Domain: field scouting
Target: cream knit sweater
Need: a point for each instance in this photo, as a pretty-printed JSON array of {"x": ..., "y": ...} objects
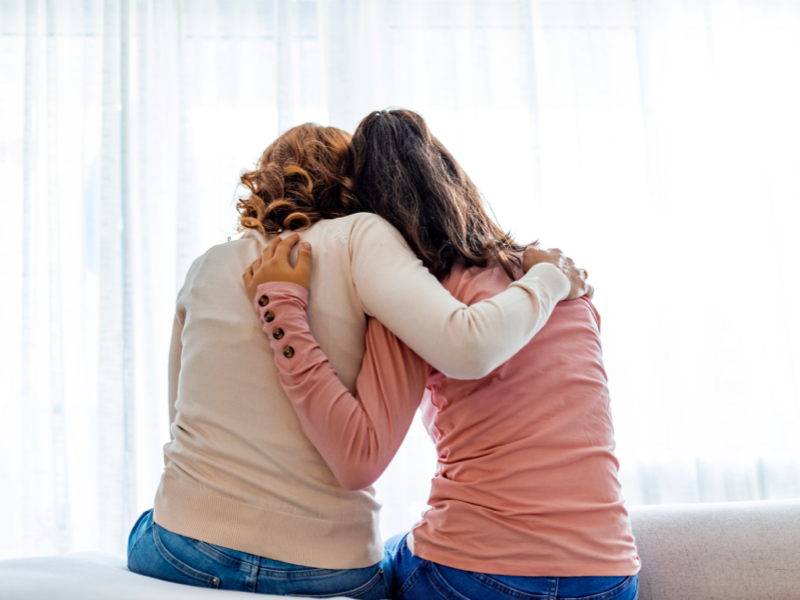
[{"x": 239, "y": 472}]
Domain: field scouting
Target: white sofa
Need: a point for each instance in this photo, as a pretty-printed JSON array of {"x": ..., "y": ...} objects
[{"x": 736, "y": 551}]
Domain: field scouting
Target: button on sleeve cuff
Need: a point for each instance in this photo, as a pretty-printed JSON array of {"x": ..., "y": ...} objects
[{"x": 266, "y": 291}]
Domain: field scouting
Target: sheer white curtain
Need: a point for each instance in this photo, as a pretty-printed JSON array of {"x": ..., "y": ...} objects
[{"x": 656, "y": 141}]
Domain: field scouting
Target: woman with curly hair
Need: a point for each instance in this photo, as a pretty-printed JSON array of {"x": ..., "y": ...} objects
[
  {"x": 526, "y": 503},
  {"x": 246, "y": 502}
]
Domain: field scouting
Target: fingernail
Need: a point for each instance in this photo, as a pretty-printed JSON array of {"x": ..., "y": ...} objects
[{"x": 306, "y": 245}]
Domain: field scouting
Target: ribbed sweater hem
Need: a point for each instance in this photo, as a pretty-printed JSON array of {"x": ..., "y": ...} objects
[{"x": 203, "y": 514}]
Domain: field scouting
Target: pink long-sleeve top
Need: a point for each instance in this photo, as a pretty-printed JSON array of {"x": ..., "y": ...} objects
[{"x": 527, "y": 478}]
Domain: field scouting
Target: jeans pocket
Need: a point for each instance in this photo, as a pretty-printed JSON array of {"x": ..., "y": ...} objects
[
  {"x": 360, "y": 591},
  {"x": 202, "y": 578}
]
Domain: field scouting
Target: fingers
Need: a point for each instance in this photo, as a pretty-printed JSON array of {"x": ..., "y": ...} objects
[
  {"x": 304, "y": 257},
  {"x": 285, "y": 247},
  {"x": 269, "y": 251},
  {"x": 589, "y": 291},
  {"x": 256, "y": 264},
  {"x": 534, "y": 256}
]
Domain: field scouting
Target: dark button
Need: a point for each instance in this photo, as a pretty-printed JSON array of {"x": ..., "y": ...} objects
[
  {"x": 269, "y": 316},
  {"x": 263, "y": 301},
  {"x": 288, "y": 352},
  {"x": 277, "y": 333}
]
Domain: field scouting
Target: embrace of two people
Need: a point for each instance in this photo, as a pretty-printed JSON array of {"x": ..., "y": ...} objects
[{"x": 370, "y": 283}]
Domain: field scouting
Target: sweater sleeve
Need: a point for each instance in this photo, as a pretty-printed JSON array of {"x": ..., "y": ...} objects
[
  {"x": 463, "y": 342},
  {"x": 356, "y": 435}
]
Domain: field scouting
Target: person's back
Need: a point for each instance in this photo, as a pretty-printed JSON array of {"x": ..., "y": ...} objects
[
  {"x": 526, "y": 488},
  {"x": 527, "y": 479},
  {"x": 526, "y": 497},
  {"x": 239, "y": 470}
]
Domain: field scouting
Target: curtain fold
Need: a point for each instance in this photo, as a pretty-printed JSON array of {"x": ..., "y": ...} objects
[{"x": 655, "y": 141}]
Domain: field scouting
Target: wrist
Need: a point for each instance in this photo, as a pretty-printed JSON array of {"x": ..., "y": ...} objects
[
  {"x": 278, "y": 290},
  {"x": 282, "y": 287},
  {"x": 552, "y": 278}
]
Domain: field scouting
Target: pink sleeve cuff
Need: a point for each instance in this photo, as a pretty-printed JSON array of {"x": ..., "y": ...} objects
[
  {"x": 274, "y": 288},
  {"x": 282, "y": 308}
]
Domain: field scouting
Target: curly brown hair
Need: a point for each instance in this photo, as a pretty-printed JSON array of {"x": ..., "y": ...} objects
[{"x": 300, "y": 178}]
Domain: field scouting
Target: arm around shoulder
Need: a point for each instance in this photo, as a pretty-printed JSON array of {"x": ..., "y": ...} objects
[{"x": 463, "y": 342}]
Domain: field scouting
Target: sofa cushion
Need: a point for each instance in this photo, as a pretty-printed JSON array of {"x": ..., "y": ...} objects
[{"x": 726, "y": 551}]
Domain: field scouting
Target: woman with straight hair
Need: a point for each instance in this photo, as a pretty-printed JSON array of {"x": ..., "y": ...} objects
[
  {"x": 526, "y": 503},
  {"x": 245, "y": 501}
]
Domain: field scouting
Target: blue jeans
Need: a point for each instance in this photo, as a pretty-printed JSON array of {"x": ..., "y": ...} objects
[
  {"x": 418, "y": 579},
  {"x": 157, "y": 552}
]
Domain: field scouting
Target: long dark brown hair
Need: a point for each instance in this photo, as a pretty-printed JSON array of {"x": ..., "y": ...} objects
[
  {"x": 404, "y": 174},
  {"x": 300, "y": 179}
]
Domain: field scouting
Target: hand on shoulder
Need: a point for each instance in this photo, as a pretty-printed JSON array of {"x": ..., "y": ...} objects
[
  {"x": 273, "y": 265},
  {"x": 577, "y": 277}
]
